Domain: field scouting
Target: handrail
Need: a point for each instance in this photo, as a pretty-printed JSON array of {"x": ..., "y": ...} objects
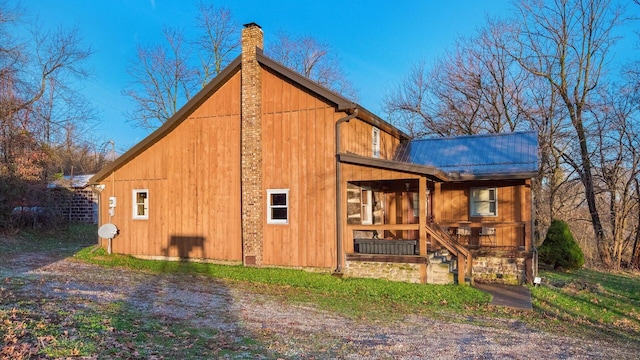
[
  {"x": 451, "y": 244},
  {"x": 465, "y": 261}
]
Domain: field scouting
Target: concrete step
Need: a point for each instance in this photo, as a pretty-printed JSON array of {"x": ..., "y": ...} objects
[
  {"x": 441, "y": 267},
  {"x": 439, "y": 274}
]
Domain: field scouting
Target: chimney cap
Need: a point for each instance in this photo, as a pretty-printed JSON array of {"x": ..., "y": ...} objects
[{"x": 252, "y": 24}]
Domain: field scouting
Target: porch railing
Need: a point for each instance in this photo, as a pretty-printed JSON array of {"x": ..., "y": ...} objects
[
  {"x": 465, "y": 261},
  {"x": 488, "y": 235},
  {"x": 375, "y": 242}
]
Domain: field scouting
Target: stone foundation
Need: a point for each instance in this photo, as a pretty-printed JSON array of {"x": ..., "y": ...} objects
[
  {"x": 499, "y": 270},
  {"x": 383, "y": 270},
  {"x": 486, "y": 269}
]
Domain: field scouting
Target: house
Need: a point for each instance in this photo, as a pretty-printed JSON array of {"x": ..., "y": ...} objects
[{"x": 264, "y": 167}]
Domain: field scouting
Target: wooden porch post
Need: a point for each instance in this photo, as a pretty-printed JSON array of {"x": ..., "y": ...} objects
[
  {"x": 527, "y": 215},
  {"x": 422, "y": 220},
  {"x": 437, "y": 202},
  {"x": 462, "y": 268},
  {"x": 470, "y": 268},
  {"x": 436, "y": 207}
]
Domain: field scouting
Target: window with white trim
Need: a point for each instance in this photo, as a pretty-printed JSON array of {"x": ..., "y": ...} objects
[
  {"x": 375, "y": 141},
  {"x": 484, "y": 201},
  {"x": 278, "y": 206},
  {"x": 140, "y": 204}
]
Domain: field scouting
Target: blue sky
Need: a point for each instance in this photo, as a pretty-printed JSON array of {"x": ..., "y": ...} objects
[{"x": 377, "y": 41}]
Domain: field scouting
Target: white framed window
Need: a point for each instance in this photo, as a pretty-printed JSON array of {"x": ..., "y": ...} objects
[
  {"x": 278, "y": 206},
  {"x": 375, "y": 141},
  {"x": 141, "y": 204},
  {"x": 366, "y": 214},
  {"x": 484, "y": 201}
]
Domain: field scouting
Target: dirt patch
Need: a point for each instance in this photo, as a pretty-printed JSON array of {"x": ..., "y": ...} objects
[{"x": 283, "y": 330}]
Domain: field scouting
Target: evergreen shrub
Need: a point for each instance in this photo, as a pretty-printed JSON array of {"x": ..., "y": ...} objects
[{"x": 559, "y": 249}]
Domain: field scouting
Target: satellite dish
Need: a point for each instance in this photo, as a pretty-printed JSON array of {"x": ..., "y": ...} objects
[{"x": 108, "y": 231}]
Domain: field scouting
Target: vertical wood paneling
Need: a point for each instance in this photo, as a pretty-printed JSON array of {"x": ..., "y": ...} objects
[
  {"x": 192, "y": 174},
  {"x": 512, "y": 207},
  {"x": 356, "y": 138},
  {"x": 298, "y": 147}
]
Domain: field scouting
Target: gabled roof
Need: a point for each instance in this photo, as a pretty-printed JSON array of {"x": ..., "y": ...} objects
[
  {"x": 490, "y": 156},
  {"x": 340, "y": 103},
  {"x": 172, "y": 123}
]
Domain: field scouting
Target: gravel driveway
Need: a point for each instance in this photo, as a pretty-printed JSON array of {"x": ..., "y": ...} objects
[{"x": 290, "y": 330}]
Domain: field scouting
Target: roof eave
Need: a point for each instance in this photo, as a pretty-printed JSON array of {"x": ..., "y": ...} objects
[
  {"x": 430, "y": 171},
  {"x": 340, "y": 102},
  {"x": 453, "y": 176}
]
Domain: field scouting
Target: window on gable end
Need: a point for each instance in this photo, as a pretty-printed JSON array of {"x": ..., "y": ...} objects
[{"x": 375, "y": 141}]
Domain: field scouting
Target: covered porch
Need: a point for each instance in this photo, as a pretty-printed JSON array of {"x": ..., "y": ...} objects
[
  {"x": 389, "y": 225},
  {"x": 399, "y": 219}
]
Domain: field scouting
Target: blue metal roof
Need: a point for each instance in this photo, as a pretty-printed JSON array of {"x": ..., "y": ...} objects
[{"x": 500, "y": 154}]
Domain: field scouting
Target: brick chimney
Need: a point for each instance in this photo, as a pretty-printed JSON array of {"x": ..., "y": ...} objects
[{"x": 251, "y": 146}]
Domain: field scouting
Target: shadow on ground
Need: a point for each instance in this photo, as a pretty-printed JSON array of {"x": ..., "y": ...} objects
[
  {"x": 24, "y": 251},
  {"x": 80, "y": 309}
]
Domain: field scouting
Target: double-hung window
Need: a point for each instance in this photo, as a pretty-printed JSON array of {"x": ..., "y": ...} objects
[
  {"x": 484, "y": 201},
  {"x": 141, "y": 204},
  {"x": 278, "y": 206},
  {"x": 375, "y": 142}
]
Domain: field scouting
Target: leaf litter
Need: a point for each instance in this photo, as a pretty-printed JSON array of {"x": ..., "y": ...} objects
[{"x": 144, "y": 315}]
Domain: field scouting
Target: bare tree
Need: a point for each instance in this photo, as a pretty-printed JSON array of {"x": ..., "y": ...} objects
[
  {"x": 475, "y": 88},
  {"x": 617, "y": 163},
  {"x": 28, "y": 68},
  {"x": 479, "y": 87},
  {"x": 165, "y": 76},
  {"x": 411, "y": 105},
  {"x": 312, "y": 59},
  {"x": 567, "y": 43},
  {"x": 218, "y": 41},
  {"x": 27, "y": 75},
  {"x": 162, "y": 81}
]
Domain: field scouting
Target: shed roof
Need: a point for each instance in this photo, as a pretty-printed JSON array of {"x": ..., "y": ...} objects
[
  {"x": 500, "y": 155},
  {"x": 76, "y": 181}
]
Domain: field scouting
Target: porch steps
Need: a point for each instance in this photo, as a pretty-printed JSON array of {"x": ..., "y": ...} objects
[{"x": 440, "y": 269}]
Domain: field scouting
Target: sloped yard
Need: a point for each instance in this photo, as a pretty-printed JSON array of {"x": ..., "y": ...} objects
[{"x": 53, "y": 305}]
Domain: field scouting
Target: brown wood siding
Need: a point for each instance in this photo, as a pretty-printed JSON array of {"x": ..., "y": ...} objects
[
  {"x": 514, "y": 211},
  {"x": 356, "y": 137},
  {"x": 298, "y": 154},
  {"x": 193, "y": 177}
]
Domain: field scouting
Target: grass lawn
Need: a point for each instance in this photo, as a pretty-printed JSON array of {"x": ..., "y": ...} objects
[
  {"x": 590, "y": 302},
  {"x": 583, "y": 303}
]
